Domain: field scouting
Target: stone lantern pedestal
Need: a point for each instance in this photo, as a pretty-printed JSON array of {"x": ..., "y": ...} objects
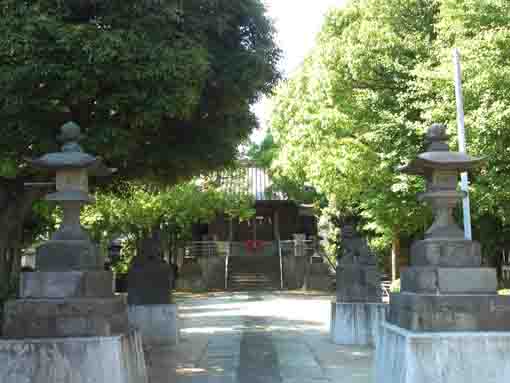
[
  {"x": 358, "y": 310},
  {"x": 67, "y": 325},
  {"x": 448, "y": 324}
]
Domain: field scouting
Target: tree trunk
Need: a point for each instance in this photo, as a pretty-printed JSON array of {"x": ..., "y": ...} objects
[
  {"x": 15, "y": 206},
  {"x": 395, "y": 256}
]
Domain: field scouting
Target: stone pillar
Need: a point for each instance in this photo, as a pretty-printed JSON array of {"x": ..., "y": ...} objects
[
  {"x": 358, "y": 310},
  {"x": 150, "y": 283},
  {"x": 448, "y": 324},
  {"x": 67, "y": 323},
  {"x": 276, "y": 224}
]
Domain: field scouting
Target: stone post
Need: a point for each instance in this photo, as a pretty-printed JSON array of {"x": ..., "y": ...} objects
[
  {"x": 150, "y": 282},
  {"x": 358, "y": 310}
]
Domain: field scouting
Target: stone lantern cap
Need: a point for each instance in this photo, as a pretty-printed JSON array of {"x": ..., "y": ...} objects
[
  {"x": 71, "y": 155},
  {"x": 439, "y": 157}
]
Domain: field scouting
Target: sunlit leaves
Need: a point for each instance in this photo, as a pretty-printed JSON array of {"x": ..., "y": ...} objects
[
  {"x": 138, "y": 209},
  {"x": 161, "y": 88},
  {"x": 385, "y": 68}
]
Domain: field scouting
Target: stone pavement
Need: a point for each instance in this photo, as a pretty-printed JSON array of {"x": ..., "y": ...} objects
[{"x": 257, "y": 338}]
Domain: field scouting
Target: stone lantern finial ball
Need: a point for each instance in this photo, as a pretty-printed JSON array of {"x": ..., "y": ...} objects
[
  {"x": 70, "y": 131},
  {"x": 437, "y": 132}
]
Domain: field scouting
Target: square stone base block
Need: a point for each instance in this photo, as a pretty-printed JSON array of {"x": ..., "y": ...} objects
[
  {"x": 403, "y": 356},
  {"x": 156, "y": 323},
  {"x": 356, "y": 323},
  {"x": 65, "y": 317},
  {"x": 450, "y": 312},
  {"x": 113, "y": 359}
]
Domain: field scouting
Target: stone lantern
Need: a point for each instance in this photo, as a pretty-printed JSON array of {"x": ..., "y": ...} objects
[
  {"x": 67, "y": 321},
  {"x": 448, "y": 324},
  {"x": 70, "y": 247},
  {"x": 444, "y": 264},
  {"x": 444, "y": 243}
]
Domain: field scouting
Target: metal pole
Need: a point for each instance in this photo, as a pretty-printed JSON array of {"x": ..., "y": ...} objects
[
  {"x": 226, "y": 270},
  {"x": 281, "y": 263},
  {"x": 464, "y": 181}
]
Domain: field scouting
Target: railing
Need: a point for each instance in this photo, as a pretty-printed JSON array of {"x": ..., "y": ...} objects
[
  {"x": 385, "y": 290},
  {"x": 505, "y": 265},
  {"x": 207, "y": 248},
  {"x": 298, "y": 248},
  {"x": 304, "y": 248},
  {"x": 281, "y": 264},
  {"x": 225, "y": 248},
  {"x": 226, "y": 272}
]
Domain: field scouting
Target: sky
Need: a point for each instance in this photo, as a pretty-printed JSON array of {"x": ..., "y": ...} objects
[{"x": 297, "y": 23}]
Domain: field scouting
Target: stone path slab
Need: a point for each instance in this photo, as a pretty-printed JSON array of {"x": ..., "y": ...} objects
[{"x": 257, "y": 338}]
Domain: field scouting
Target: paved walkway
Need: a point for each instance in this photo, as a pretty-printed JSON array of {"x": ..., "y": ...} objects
[{"x": 257, "y": 338}]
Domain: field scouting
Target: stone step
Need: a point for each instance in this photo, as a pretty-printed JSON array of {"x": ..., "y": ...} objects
[
  {"x": 254, "y": 273},
  {"x": 254, "y": 264},
  {"x": 253, "y": 286},
  {"x": 253, "y": 278},
  {"x": 252, "y": 281},
  {"x": 259, "y": 281}
]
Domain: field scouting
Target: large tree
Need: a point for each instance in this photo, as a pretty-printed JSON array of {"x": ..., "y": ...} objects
[
  {"x": 161, "y": 89},
  {"x": 343, "y": 121},
  {"x": 380, "y": 74}
]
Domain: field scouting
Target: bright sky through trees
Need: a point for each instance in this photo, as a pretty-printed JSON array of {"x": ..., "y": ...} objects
[{"x": 297, "y": 24}]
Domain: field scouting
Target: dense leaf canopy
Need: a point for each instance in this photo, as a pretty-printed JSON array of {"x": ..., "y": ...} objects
[
  {"x": 137, "y": 209},
  {"x": 381, "y": 73},
  {"x": 160, "y": 88}
]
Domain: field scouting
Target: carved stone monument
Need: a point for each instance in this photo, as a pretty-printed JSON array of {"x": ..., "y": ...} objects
[
  {"x": 448, "y": 324},
  {"x": 150, "y": 283},
  {"x": 358, "y": 309},
  {"x": 357, "y": 278},
  {"x": 67, "y": 325}
]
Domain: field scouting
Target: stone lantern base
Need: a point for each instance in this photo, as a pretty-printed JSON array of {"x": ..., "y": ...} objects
[
  {"x": 404, "y": 356},
  {"x": 111, "y": 359},
  {"x": 69, "y": 327},
  {"x": 70, "y": 303},
  {"x": 356, "y": 323}
]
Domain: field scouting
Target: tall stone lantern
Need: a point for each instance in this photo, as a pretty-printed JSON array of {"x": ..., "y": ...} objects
[
  {"x": 447, "y": 324},
  {"x": 70, "y": 247},
  {"x": 67, "y": 321}
]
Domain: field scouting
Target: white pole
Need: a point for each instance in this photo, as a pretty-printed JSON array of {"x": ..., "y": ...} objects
[{"x": 464, "y": 182}]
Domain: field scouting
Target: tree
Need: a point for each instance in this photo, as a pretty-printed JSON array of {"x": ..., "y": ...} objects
[
  {"x": 161, "y": 89},
  {"x": 264, "y": 156},
  {"x": 135, "y": 210},
  {"x": 380, "y": 74},
  {"x": 342, "y": 120}
]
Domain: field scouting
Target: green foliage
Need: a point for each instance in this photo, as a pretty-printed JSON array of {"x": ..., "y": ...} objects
[
  {"x": 381, "y": 73},
  {"x": 264, "y": 155},
  {"x": 161, "y": 89},
  {"x": 340, "y": 121},
  {"x": 395, "y": 286},
  {"x": 136, "y": 209}
]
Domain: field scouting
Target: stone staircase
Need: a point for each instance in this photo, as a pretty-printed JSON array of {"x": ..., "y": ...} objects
[{"x": 254, "y": 273}]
